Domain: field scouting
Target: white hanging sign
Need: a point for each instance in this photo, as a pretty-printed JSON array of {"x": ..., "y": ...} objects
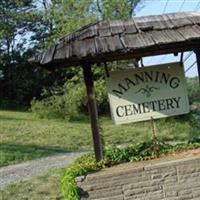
[{"x": 142, "y": 93}]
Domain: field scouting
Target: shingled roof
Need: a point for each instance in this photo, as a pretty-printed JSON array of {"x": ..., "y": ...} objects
[{"x": 124, "y": 39}]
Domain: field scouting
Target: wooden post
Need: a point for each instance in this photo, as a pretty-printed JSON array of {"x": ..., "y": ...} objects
[
  {"x": 198, "y": 62},
  {"x": 92, "y": 107}
]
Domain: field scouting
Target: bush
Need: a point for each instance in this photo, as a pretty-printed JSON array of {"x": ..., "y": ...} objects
[
  {"x": 51, "y": 107},
  {"x": 72, "y": 104},
  {"x": 75, "y": 101},
  {"x": 80, "y": 167},
  {"x": 101, "y": 97},
  {"x": 193, "y": 90}
]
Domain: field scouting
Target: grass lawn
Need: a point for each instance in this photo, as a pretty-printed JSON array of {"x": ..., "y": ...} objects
[
  {"x": 24, "y": 137},
  {"x": 44, "y": 187}
]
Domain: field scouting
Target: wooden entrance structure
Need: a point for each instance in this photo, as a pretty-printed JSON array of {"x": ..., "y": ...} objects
[{"x": 120, "y": 40}]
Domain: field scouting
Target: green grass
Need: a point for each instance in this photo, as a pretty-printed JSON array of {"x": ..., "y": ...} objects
[
  {"x": 44, "y": 187},
  {"x": 24, "y": 137}
]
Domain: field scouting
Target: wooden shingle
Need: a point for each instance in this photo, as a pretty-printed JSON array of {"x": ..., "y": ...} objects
[{"x": 125, "y": 39}]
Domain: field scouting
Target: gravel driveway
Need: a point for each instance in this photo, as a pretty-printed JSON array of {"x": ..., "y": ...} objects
[{"x": 27, "y": 170}]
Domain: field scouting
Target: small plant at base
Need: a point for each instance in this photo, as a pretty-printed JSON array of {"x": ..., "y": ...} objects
[{"x": 80, "y": 167}]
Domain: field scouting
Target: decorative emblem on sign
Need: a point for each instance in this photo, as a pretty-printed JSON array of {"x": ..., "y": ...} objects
[{"x": 147, "y": 90}]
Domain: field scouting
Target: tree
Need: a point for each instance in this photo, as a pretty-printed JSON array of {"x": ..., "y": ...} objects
[
  {"x": 27, "y": 26},
  {"x": 14, "y": 23},
  {"x": 23, "y": 30},
  {"x": 116, "y": 9},
  {"x": 67, "y": 16}
]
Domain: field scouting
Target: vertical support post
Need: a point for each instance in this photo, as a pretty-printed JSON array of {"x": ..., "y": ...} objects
[
  {"x": 197, "y": 52},
  {"x": 92, "y": 107}
]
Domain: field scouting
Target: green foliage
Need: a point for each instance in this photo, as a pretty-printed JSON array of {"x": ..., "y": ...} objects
[
  {"x": 18, "y": 80},
  {"x": 72, "y": 104},
  {"x": 76, "y": 101},
  {"x": 112, "y": 156},
  {"x": 64, "y": 106},
  {"x": 101, "y": 96},
  {"x": 68, "y": 16},
  {"x": 17, "y": 18},
  {"x": 117, "y": 9},
  {"x": 195, "y": 133},
  {"x": 51, "y": 107},
  {"x": 41, "y": 27},
  {"x": 193, "y": 90},
  {"x": 140, "y": 151},
  {"x": 80, "y": 167}
]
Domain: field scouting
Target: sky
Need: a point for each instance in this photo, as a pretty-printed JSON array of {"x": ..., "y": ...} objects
[{"x": 157, "y": 7}]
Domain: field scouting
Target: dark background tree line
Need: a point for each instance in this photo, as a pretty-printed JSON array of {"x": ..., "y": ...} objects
[{"x": 28, "y": 26}]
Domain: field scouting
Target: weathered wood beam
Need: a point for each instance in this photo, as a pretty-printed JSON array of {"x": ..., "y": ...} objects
[
  {"x": 92, "y": 107},
  {"x": 197, "y": 52},
  {"x": 138, "y": 53}
]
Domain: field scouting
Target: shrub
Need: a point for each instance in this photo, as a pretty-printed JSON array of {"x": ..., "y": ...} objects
[
  {"x": 80, "y": 167},
  {"x": 193, "y": 90},
  {"x": 102, "y": 97},
  {"x": 76, "y": 99},
  {"x": 51, "y": 107},
  {"x": 72, "y": 104}
]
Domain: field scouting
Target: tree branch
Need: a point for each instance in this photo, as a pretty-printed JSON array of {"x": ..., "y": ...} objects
[{"x": 99, "y": 7}]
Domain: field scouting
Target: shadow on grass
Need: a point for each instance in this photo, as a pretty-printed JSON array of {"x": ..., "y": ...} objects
[
  {"x": 6, "y": 118},
  {"x": 82, "y": 119},
  {"x": 16, "y": 153}
]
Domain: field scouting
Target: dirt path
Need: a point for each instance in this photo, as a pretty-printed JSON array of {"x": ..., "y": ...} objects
[{"x": 30, "y": 169}]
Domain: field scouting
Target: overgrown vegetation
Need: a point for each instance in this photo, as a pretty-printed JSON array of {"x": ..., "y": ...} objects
[
  {"x": 115, "y": 155},
  {"x": 193, "y": 90},
  {"x": 72, "y": 104}
]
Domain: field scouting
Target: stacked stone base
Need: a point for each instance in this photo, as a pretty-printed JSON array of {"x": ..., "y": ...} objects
[{"x": 166, "y": 180}]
